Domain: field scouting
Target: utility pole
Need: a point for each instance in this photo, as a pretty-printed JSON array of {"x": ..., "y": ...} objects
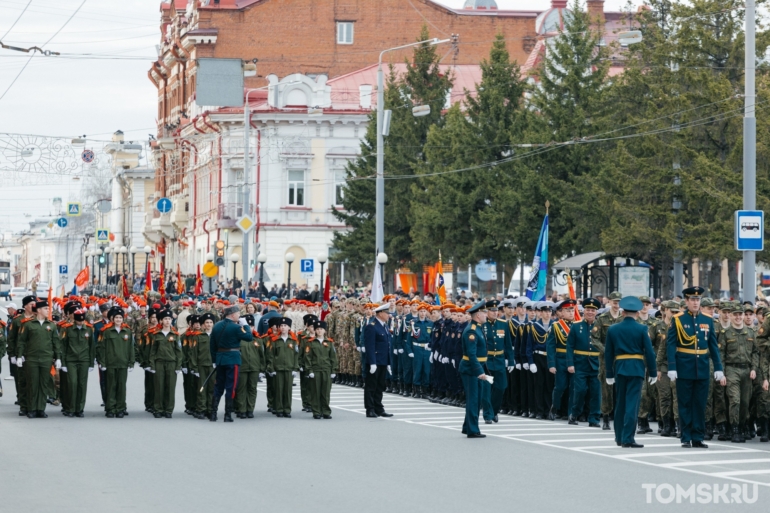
[{"x": 749, "y": 148}]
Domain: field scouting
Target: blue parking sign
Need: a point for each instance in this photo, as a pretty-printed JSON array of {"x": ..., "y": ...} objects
[
  {"x": 306, "y": 265},
  {"x": 749, "y": 230}
]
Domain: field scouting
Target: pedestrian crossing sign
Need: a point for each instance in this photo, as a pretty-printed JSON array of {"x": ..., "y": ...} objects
[
  {"x": 73, "y": 209},
  {"x": 102, "y": 236}
]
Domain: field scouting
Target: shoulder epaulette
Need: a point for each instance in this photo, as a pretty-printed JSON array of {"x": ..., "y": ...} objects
[
  {"x": 154, "y": 329},
  {"x": 707, "y": 315},
  {"x": 89, "y": 324},
  {"x": 2, "y": 324},
  {"x": 329, "y": 339},
  {"x": 106, "y": 327},
  {"x": 26, "y": 320},
  {"x": 679, "y": 314},
  {"x": 67, "y": 324},
  {"x": 174, "y": 331}
]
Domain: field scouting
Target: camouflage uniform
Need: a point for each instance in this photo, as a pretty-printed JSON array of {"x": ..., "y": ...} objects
[
  {"x": 598, "y": 338},
  {"x": 739, "y": 357},
  {"x": 649, "y": 400}
]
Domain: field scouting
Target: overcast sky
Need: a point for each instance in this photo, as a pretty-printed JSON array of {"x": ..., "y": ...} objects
[{"x": 74, "y": 95}]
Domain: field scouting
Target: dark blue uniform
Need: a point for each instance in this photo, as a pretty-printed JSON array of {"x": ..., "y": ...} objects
[
  {"x": 556, "y": 347},
  {"x": 418, "y": 343},
  {"x": 542, "y": 379},
  {"x": 263, "y": 326},
  {"x": 225, "y": 346},
  {"x": 582, "y": 355},
  {"x": 499, "y": 352},
  {"x": 474, "y": 355},
  {"x": 377, "y": 352}
]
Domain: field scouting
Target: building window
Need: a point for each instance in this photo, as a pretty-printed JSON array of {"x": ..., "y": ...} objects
[
  {"x": 297, "y": 188},
  {"x": 344, "y": 32},
  {"x": 339, "y": 186},
  {"x": 49, "y": 273}
]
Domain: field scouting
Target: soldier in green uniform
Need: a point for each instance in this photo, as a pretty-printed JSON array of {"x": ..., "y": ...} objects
[
  {"x": 308, "y": 321},
  {"x": 669, "y": 407},
  {"x": 763, "y": 401},
  {"x": 38, "y": 346},
  {"x": 189, "y": 382},
  {"x": 201, "y": 366},
  {"x": 599, "y": 334},
  {"x": 649, "y": 401},
  {"x": 582, "y": 360},
  {"x": 741, "y": 361},
  {"x": 320, "y": 361},
  {"x": 252, "y": 366},
  {"x": 115, "y": 356},
  {"x": 499, "y": 359},
  {"x": 715, "y": 403},
  {"x": 144, "y": 346},
  {"x": 281, "y": 354},
  {"x": 474, "y": 348},
  {"x": 28, "y": 304},
  {"x": 78, "y": 355},
  {"x": 166, "y": 364}
]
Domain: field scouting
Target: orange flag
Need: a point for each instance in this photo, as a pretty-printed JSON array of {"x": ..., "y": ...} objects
[{"x": 572, "y": 296}]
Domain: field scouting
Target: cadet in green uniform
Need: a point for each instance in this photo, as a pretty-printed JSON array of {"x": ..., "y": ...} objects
[
  {"x": 669, "y": 407},
  {"x": 649, "y": 401},
  {"x": 599, "y": 334},
  {"x": 252, "y": 366},
  {"x": 78, "y": 354},
  {"x": 201, "y": 366},
  {"x": 627, "y": 354},
  {"x": 28, "y": 303},
  {"x": 38, "y": 346},
  {"x": 189, "y": 382},
  {"x": 474, "y": 356},
  {"x": 582, "y": 360},
  {"x": 304, "y": 385},
  {"x": 499, "y": 355},
  {"x": 741, "y": 361},
  {"x": 281, "y": 353},
  {"x": 716, "y": 411},
  {"x": 144, "y": 346},
  {"x": 320, "y": 361},
  {"x": 166, "y": 362},
  {"x": 115, "y": 355}
]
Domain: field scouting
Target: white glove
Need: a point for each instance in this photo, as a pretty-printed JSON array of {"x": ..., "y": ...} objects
[
  {"x": 311, "y": 375},
  {"x": 435, "y": 355},
  {"x": 184, "y": 369},
  {"x": 395, "y": 351},
  {"x": 372, "y": 369},
  {"x": 57, "y": 364},
  {"x": 196, "y": 375},
  {"x": 518, "y": 366},
  {"x": 261, "y": 375},
  {"x": 178, "y": 371},
  {"x": 294, "y": 374},
  {"x": 214, "y": 365},
  {"x": 301, "y": 369},
  {"x": 358, "y": 349},
  {"x": 363, "y": 349},
  {"x": 490, "y": 379},
  {"x": 102, "y": 368},
  {"x": 533, "y": 368},
  {"x": 610, "y": 381},
  {"x": 90, "y": 369},
  {"x": 526, "y": 366},
  {"x": 652, "y": 379},
  {"x": 63, "y": 369},
  {"x": 510, "y": 369},
  {"x": 242, "y": 321},
  {"x": 430, "y": 358},
  {"x": 389, "y": 371},
  {"x": 411, "y": 355},
  {"x": 23, "y": 359},
  {"x": 453, "y": 363},
  {"x": 19, "y": 363},
  {"x": 506, "y": 362},
  {"x": 445, "y": 360},
  {"x": 152, "y": 371},
  {"x": 272, "y": 374},
  {"x": 672, "y": 375},
  {"x": 130, "y": 369},
  {"x": 146, "y": 369},
  {"x": 718, "y": 375},
  {"x": 333, "y": 376},
  {"x": 427, "y": 348},
  {"x": 13, "y": 360},
  {"x": 400, "y": 351}
]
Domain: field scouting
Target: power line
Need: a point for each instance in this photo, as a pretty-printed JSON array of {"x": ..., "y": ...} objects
[{"x": 17, "y": 20}]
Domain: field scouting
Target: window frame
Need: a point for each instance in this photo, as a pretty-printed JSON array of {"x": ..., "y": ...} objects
[
  {"x": 291, "y": 187},
  {"x": 349, "y": 31}
]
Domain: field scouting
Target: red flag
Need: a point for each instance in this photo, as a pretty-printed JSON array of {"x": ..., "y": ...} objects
[
  {"x": 327, "y": 295},
  {"x": 198, "y": 282},
  {"x": 50, "y": 303},
  {"x": 148, "y": 277},
  {"x": 124, "y": 287},
  {"x": 161, "y": 284},
  {"x": 179, "y": 283},
  {"x": 572, "y": 296},
  {"x": 81, "y": 280}
]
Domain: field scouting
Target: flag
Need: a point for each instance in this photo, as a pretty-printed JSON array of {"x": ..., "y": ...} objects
[
  {"x": 148, "y": 277},
  {"x": 179, "y": 283},
  {"x": 161, "y": 284},
  {"x": 440, "y": 289},
  {"x": 571, "y": 289},
  {"x": 50, "y": 303},
  {"x": 123, "y": 291},
  {"x": 198, "y": 282},
  {"x": 377, "y": 293},
  {"x": 81, "y": 280},
  {"x": 539, "y": 274},
  {"x": 327, "y": 296}
]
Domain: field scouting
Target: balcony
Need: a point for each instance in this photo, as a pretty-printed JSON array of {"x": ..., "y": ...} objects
[{"x": 229, "y": 213}]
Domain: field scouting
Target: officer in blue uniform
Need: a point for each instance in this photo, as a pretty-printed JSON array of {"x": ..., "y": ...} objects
[
  {"x": 471, "y": 370},
  {"x": 377, "y": 361},
  {"x": 582, "y": 360},
  {"x": 627, "y": 349},
  {"x": 418, "y": 344},
  {"x": 691, "y": 341},
  {"x": 537, "y": 357},
  {"x": 556, "y": 347},
  {"x": 225, "y": 346},
  {"x": 499, "y": 358}
]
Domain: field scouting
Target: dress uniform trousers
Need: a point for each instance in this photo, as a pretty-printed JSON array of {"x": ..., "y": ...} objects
[
  {"x": 227, "y": 381},
  {"x": 667, "y": 396},
  {"x": 115, "y": 389},
  {"x": 203, "y": 402},
  {"x": 692, "y": 395},
  {"x": 165, "y": 386},
  {"x": 586, "y": 384},
  {"x": 513, "y": 392},
  {"x": 607, "y": 390},
  {"x": 472, "y": 387},
  {"x": 629, "y": 393},
  {"x": 738, "y": 392},
  {"x": 562, "y": 385},
  {"x": 20, "y": 379},
  {"x": 304, "y": 390},
  {"x": 60, "y": 380},
  {"x": 406, "y": 368},
  {"x": 492, "y": 397},
  {"x": 283, "y": 383},
  {"x": 421, "y": 366},
  {"x": 716, "y": 404},
  {"x": 527, "y": 383},
  {"x": 188, "y": 385},
  {"x": 37, "y": 377},
  {"x": 270, "y": 385},
  {"x": 246, "y": 391},
  {"x": 543, "y": 385},
  {"x": 149, "y": 387},
  {"x": 320, "y": 392},
  {"x": 76, "y": 385}
]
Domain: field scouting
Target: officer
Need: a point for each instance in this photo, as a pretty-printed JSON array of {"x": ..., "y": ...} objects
[
  {"x": 628, "y": 348},
  {"x": 272, "y": 311},
  {"x": 377, "y": 363},
  {"x": 320, "y": 360},
  {"x": 716, "y": 406},
  {"x": 282, "y": 359},
  {"x": 556, "y": 347},
  {"x": 538, "y": 359},
  {"x": 648, "y": 404},
  {"x": 37, "y": 347},
  {"x": 519, "y": 323},
  {"x": 471, "y": 368},
  {"x": 225, "y": 344},
  {"x": 499, "y": 358},
  {"x": 201, "y": 366},
  {"x": 599, "y": 333},
  {"x": 252, "y": 367},
  {"x": 78, "y": 354},
  {"x": 582, "y": 360},
  {"x": 189, "y": 383},
  {"x": 166, "y": 362},
  {"x": 690, "y": 343}
]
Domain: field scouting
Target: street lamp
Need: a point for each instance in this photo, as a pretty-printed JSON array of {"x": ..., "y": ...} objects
[
  {"x": 380, "y": 183},
  {"x": 382, "y": 259},
  {"x": 134, "y": 249},
  {"x": 124, "y": 253},
  {"x": 100, "y": 252},
  {"x": 262, "y": 258},
  {"x": 234, "y": 257},
  {"x": 289, "y": 260},
  {"x": 209, "y": 258},
  {"x": 322, "y": 258}
]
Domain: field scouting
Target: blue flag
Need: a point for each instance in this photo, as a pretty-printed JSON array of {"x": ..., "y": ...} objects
[{"x": 539, "y": 274}]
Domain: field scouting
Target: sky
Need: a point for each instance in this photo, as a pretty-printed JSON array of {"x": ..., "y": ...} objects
[{"x": 72, "y": 95}]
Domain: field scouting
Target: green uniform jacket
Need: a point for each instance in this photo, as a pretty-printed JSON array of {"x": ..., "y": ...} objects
[
  {"x": 320, "y": 356},
  {"x": 2, "y": 338},
  {"x": 282, "y": 355},
  {"x": 601, "y": 325},
  {"x": 253, "y": 354},
  {"x": 115, "y": 349},
  {"x": 38, "y": 343},
  {"x": 661, "y": 355},
  {"x": 556, "y": 343},
  {"x": 499, "y": 345},
  {"x": 737, "y": 348},
  {"x": 13, "y": 333},
  {"x": 474, "y": 350},
  {"x": 199, "y": 351},
  {"x": 77, "y": 345},
  {"x": 166, "y": 348}
]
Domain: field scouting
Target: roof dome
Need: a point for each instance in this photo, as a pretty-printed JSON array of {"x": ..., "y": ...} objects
[
  {"x": 480, "y": 4},
  {"x": 552, "y": 20}
]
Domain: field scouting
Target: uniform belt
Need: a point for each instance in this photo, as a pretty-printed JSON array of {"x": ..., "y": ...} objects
[
  {"x": 692, "y": 351},
  {"x": 420, "y": 345},
  {"x": 228, "y": 350},
  {"x": 586, "y": 353},
  {"x": 738, "y": 365},
  {"x": 560, "y": 350},
  {"x": 629, "y": 357},
  {"x": 480, "y": 358},
  {"x": 541, "y": 352},
  {"x": 495, "y": 353}
]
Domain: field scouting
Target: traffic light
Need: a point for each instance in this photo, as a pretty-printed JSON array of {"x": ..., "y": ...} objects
[
  {"x": 102, "y": 260},
  {"x": 219, "y": 255}
]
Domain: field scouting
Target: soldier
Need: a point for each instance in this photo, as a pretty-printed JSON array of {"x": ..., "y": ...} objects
[
  {"x": 166, "y": 364},
  {"x": 556, "y": 347},
  {"x": 741, "y": 361},
  {"x": 582, "y": 360},
  {"x": 308, "y": 321},
  {"x": 201, "y": 366},
  {"x": 37, "y": 347},
  {"x": 649, "y": 401},
  {"x": 115, "y": 355},
  {"x": 763, "y": 401},
  {"x": 281, "y": 354},
  {"x": 691, "y": 336},
  {"x": 320, "y": 360},
  {"x": 519, "y": 323},
  {"x": 417, "y": 345},
  {"x": 144, "y": 346},
  {"x": 252, "y": 367},
  {"x": 627, "y": 349},
  {"x": 78, "y": 355},
  {"x": 28, "y": 305},
  {"x": 537, "y": 357},
  {"x": 669, "y": 407},
  {"x": 499, "y": 358},
  {"x": 716, "y": 410},
  {"x": 471, "y": 368},
  {"x": 405, "y": 360},
  {"x": 599, "y": 334},
  {"x": 189, "y": 381}
]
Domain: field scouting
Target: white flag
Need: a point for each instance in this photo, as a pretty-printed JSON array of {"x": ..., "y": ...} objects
[{"x": 377, "y": 293}]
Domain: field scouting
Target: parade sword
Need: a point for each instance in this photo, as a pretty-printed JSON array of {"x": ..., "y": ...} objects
[{"x": 207, "y": 379}]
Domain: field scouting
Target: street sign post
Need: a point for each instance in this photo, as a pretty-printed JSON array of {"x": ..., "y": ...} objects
[
  {"x": 245, "y": 224},
  {"x": 73, "y": 209},
  {"x": 62, "y": 222},
  {"x": 164, "y": 205},
  {"x": 102, "y": 236},
  {"x": 306, "y": 266},
  {"x": 749, "y": 230},
  {"x": 63, "y": 269}
]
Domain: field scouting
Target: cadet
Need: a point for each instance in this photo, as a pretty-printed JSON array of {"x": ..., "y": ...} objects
[
  {"x": 582, "y": 360},
  {"x": 628, "y": 348},
  {"x": 716, "y": 405},
  {"x": 308, "y": 320},
  {"x": 281, "y": 354},
  {"x": 320, "y": 360},
  {"x": 417, "y": 345},
  {"x": 599, "y": 334},
  {"x": 499, "y": 359},
  {"x": 144, "y": 346},
  {"x": 37, "y": 347},
  {"x": 741, "y": 361},
  {"x": 201, "y": 366},
  {"x": 538, "y": 360},
  {"x": 520, "y": 330},
  {"x": 669, "y": 407},
  {"x": 252, "y": 366},
  {"x": 28, "y": 303},
  {"x": 648, "y": 403},
  {"x": 474, "y": 356},
  {"x": 691, "y": 336},
  {"x": 78, "y": 355},
  {"x": 189, "y": 381},
  {"x": 556, "y": 347},
  {"x": 115, "y": 355},
  {"x": 166, "y": 363}
]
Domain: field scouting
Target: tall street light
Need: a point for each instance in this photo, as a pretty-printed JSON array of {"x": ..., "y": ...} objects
[
  {"x": 262, "y": 258},
  {"x": 382, "y": 259},
  {"x": 289, "y": 260},
  {"x": 134, "y": 250},
  {"x": 322, "y": 258},
  {"x": 148, "y": 275},
  {"x": 100, "y": 252},
  {"x": 749, "y": 146},
  {"x": 234, "y": 257},
  {"x": 380, "y": 183},
  {"x": 123, "y": 257}
]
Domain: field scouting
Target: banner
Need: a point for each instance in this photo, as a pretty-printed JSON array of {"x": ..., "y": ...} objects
[
  {"x": 81, "y": 280},
  {"x": 440, "y": 289},
  {"x": 377, "y": 293},
  {"x": 539, "y": 275}
]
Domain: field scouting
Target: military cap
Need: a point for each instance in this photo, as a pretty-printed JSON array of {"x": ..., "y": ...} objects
[
  {"x": 761, "y": 310},
  {"x": 28, "y": 299},
  {"x": 273, "y": 321},
  {"x": 567, "y": 303},
  {"x": 645, "y": 299},
  {"x": 249, "y": 319},
  {"x": 672, "y": 305},
  {"x": 492, "y": 303},
  {"x": 725, "y": 305},
  {"x": 284, "y": 320},
  {"x": 382, "y": 307},
  {"x": 208, "y": 316},
  {"x": 707, "y": 301},
  {"x": 41, "y": 303},
  {"x": 693, "y": 292},
  {"x": 615, "y": 296},
  {"x": 192, "y": 319},
  {"x": 592, "y": 303},
  {"x": 115, "y": 310},
  {"x": 481, "y": 306},
  {"x": 747, "y": 307},
  {"x": 631, "y": 304},
  {"x": 319, "y": 324},
  {"x": 309, "y": 319},
  {"x": 104, "y": 307},
  {"x": 79, "y": 315},
  {"x": 545, "y": 305},
  {"x": 230, "y": 310}
]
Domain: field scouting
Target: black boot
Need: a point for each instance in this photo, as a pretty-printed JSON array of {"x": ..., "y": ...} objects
[
  {"x": 737, "y": 438},
  {"x": 667, "y": 425},
  {"x": 640, "y": 430},
  {"x": 709, "y": 430},
  {"x": 360, "y": 382},
  {"x": 214, "y": 409},
  {"x": 752, "y": 430},
  {"x": 551, "y": 414},
  {"x": 228, "y": 410},
  {"x": 415, "y": 391},
  {"x": 722, "y": 432},
  {"x": 765, "y": 423},
  {"x": 572, "y": 420},
  {"x": 605, "y": 422},
  {"x": 678, "y": 432}
]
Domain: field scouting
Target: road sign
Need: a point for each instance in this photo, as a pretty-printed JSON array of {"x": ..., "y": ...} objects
[
  {"x": 306, "y": 268},
  {"x": 62, "y": 222},
  {"x": 749, "y": 230},
  {"x": 210, "y": 269},
  {"x": 87, "y": 156},
  {"x": 63, "y": 269},
  {"x": 245, "y": 224},
  {"x": 163, "y": 205},
  {"x": 73, "y": 209},
  {"x": 102, "y": 236}
]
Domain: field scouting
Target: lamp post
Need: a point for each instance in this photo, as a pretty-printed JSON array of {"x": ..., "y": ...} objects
[
  {"x": 100, "y": 252},
  {"x": 148, "y": 275},
  {"x": 234, "y": 257},
  {"x": 749, "y": 146},
  {"x": 123, "y": 257},
  {"x": 382, "y": 259},
  {"x": 133, "y": 250},
  {"x": 322, "y": 258},
  {"x": 289, "y": 260},
  {"x": 262, "y": 258}
]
